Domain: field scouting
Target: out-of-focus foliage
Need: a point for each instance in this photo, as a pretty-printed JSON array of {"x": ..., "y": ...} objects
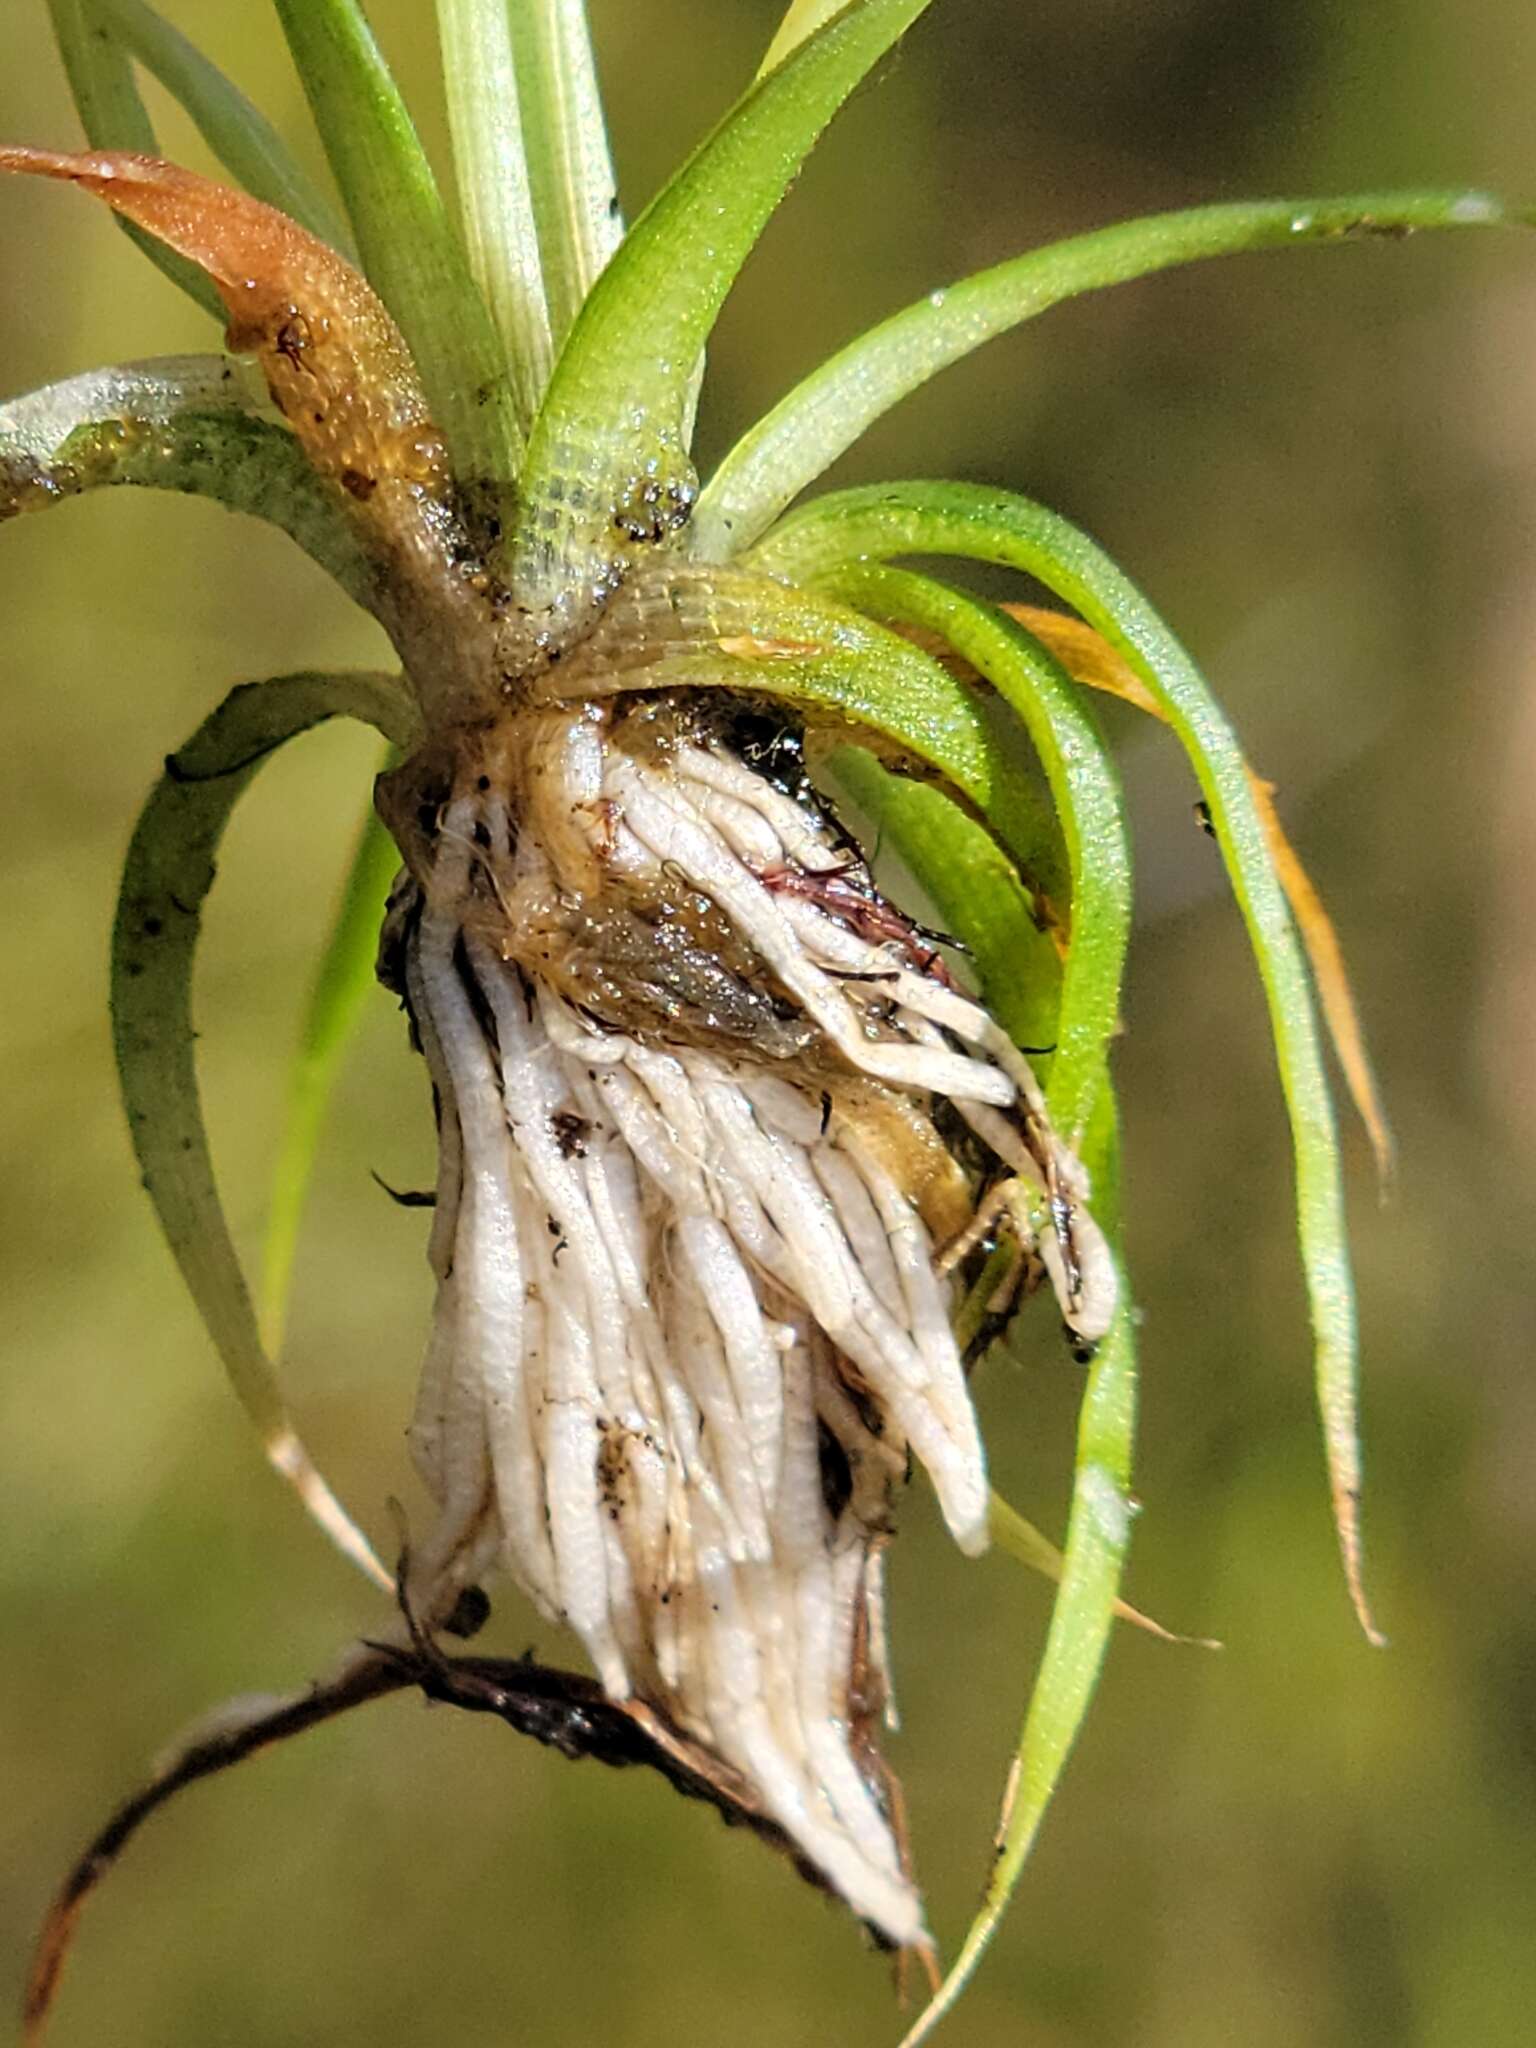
[{"x": 1323, "y": 468}]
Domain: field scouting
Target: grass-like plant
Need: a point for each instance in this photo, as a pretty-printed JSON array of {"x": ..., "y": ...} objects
[{"x": 741, "y": 1168}]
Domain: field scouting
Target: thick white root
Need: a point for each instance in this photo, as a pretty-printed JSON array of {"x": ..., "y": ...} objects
[{"x": 689, "y": 1324}]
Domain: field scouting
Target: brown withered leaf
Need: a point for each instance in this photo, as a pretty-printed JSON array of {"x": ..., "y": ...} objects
[{"x": 335, "y": 363}]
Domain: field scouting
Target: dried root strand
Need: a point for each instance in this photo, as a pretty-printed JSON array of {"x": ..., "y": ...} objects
[{"x": 562, "y": 1710}]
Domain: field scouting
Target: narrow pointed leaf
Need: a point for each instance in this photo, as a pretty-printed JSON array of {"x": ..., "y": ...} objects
[
  {"x": 575, "y": 199},
  {"x": 1086, "y": 791},
  {"x": 1088, "y": 658},
  {"x": 1098, "y": 1533},
  {"x": 410, "y": 250},
  {"x": 338, "y": 370},
  {"x": 495, "y": 201},
  {"x": 1031, "y": 1547},
  {"x": 342, "y": 983},
  {"x": 1089, "y": 1573},
  {"x": 335, "y": 363},
  {"x": 1089, "y": 1597},
  {"x": 975, "y": 890},
  {"x": 608, "y": 471},
  {"x": 167, "y": 876},
  {"x": 991, "y": 920},
  {"x": 1090, "y": 1570},
  {"x": 238, "y": 133},
  {"x": 339, "y": 373},
  {"x": 1325, "y": 956},
  {"x": 997, "y": 526},
  {"x": 823, "y": 416},
  {"x": 198, "y": 424},
  {"x": 100, "y": 75}
]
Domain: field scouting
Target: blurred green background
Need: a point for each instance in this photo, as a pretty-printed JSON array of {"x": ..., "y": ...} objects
[{"x": 1323, "y": 467}]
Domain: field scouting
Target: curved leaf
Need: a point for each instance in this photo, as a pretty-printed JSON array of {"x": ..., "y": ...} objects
[
  {"x": 1325, "y": 956},
  {"x": 1088, "y": 658},
  {"x": 608, "y": 472},
  {"x": 342, "y": 981},
  {"x": 1082, "y": 1104},
  {"x": 335, "y": 363},
  {"x": 339, "y": 372},
  {"x": 168, "y": 873},
  {"x": 1098, "y": 1534},
  {"x": 682, "y": 628},
  {"x": 823, "y": 416},
  {"x": 113, "y": 116},
  {"x": 996, "y": 526},
  {"x": 1086, "y": 790},
  {"x": 411, "y": 252},
  {"x": 198, "y": 424},
  {"x": 238, "y": 133},
  {"x": 1098, "y": 1530}
]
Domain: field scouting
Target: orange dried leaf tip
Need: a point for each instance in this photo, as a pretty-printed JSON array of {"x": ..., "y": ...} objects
[
  {"x": 1085, "y": 655},
  {"x": 1328, "y": 971},
  {"x": 335, "y": 362},
  {"x": 1089, "y": 659}
]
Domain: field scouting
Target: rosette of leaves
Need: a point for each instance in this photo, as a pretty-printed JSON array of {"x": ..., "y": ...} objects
[{"x": 630, "y": 715}]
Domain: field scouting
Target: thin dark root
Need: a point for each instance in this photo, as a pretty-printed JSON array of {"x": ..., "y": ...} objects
[
  {"x": 203, "y": 1757},
  {"x": 405, "y": 1198},
  {"x": 563, "y": 1710}
]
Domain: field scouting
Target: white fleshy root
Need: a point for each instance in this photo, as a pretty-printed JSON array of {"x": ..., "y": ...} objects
[{"x": 689, "y": 1322}]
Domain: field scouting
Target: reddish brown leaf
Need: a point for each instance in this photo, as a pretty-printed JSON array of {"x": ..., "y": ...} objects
[{"x": 335, "y": 363}]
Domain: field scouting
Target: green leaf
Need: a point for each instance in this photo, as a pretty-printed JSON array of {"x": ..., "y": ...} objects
[
  {"x": 342, "y": 982},
  {"x": 199, "y": 424},
  {"x": 678, "y": 628},
  {"x": 575, "y": 200},
  {"x": 788, "y": 644},
  {"x": 114, "y": 117},
  {"x": 1022, "y": 1541},
  {"x": 411, "y": 253},
  {"x": 1090, "y": 1571},
  {"x": 1098, "y": 1534},
  {"x": 166, "y": 877},
  {"x": 608, "y": 472},
  {"x": 495, "y": 199},
  {"x": 1032, "y": 1548},
  {"x": 238, "y": 133},
  {"x": 823, "y": 416},
  {"x": 996, "y": 526},
  {"x": 1086, "y": 790},
  {"x": 975, "y": 890}
]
